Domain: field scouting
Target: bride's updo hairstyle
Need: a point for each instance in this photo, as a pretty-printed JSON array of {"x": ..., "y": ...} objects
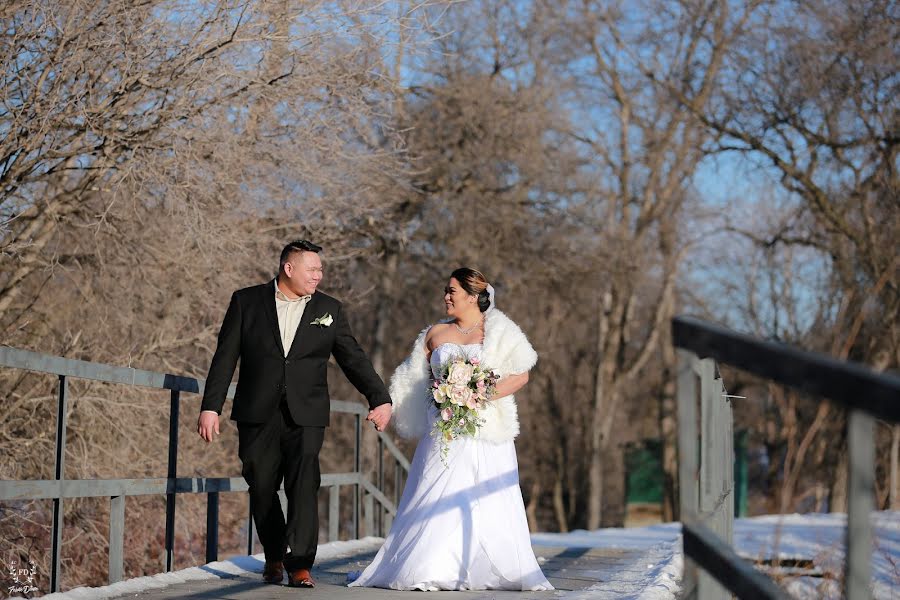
[{"x": 473, "y": 283}]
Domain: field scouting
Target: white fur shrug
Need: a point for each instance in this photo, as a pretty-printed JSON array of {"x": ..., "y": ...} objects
[{"x": 505, "y": 350}]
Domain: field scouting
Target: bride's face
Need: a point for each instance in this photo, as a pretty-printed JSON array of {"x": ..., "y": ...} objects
[{"x": 457, "y": 301}]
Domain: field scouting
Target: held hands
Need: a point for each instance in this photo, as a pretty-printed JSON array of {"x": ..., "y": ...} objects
[
  {"x": 208, "y": 424},
  {"x": 380, "y": 416}
]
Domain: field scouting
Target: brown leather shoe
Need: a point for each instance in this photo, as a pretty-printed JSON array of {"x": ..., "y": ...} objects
[
  {"x": 273, "y": 572},
  {"x": 301, "y": 578}
]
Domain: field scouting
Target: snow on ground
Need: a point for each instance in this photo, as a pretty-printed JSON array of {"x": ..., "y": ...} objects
[
  {"x": 815, "y": 537},
  {"x": 233, "y": 566},
  {"x": 820, "y": 538},
  {"x": 655, "y": 575}
]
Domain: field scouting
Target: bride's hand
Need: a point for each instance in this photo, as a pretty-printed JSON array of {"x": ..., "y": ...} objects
[
  {"x": 380, "y": 416},
  {"x": 510, "y": 385}
]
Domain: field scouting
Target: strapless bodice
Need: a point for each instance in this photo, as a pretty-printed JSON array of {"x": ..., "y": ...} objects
[{"x": 449, "y": 350}]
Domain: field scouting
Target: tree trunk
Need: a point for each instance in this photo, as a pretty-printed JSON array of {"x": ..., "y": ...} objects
[
  {"x": 531, "y": 508},
  {"x": 595, "y": 468},
  {"x": 668, "y": 426},
  {"x": 595, "y": 485},
  {"x": 794, "y": 467},
  {"x": 382, "y": 314},
  {"x": 838, "y": 501},
  {"x": 559, "y": 507},
  {"x": 379, "y": 341},
  {"x": 572, "y": 510}
]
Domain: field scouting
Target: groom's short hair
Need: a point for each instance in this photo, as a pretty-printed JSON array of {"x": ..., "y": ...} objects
[{"x": 295, "y": 247}]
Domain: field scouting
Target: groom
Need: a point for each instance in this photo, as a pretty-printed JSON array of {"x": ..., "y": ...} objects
[{"x": 283, "y": 332}]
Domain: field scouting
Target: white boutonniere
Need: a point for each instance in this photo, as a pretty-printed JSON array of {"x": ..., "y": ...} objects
[{"x": 324, "y": 321}]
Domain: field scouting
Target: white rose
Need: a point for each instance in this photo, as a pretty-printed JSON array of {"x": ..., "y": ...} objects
[
  {"x": 460, "y": 373},
  {"x": 459, "y": 394}
]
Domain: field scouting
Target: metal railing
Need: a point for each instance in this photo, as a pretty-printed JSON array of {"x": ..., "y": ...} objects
[
  {"x": 708, "y": 437},
  {"x": 366, "y": 494},
  {"x": 866, "y": 394}
]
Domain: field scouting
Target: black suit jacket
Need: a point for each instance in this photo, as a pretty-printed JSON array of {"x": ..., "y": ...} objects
[{"x": 250, "y": 333}]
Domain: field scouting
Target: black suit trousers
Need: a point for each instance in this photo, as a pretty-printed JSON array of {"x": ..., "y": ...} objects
[{"x": 269, "y": 452}]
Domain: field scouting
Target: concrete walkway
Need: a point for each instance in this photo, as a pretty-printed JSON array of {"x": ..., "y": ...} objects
[{"x": 570, "y": 570}]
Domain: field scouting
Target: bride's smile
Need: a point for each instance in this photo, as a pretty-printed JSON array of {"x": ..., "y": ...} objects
[{"x": 460, "y": 304}]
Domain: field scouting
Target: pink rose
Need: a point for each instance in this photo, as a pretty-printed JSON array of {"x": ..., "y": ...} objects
[
  {"x": 447, "y": 414},
  {"x": 475, "y": 360}
]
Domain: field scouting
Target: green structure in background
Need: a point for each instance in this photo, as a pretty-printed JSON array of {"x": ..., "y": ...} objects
[
  {"x": 644, "y": 476},
  {"x": 740, "y": 473},
  {"x": 643, "y": 473}
]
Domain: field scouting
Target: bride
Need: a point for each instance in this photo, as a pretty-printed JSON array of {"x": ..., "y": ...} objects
[{"x": 461, "y": 521}]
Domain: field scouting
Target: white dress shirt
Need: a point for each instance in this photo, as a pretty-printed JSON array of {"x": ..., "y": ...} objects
[{"x": 289, "y": 314}]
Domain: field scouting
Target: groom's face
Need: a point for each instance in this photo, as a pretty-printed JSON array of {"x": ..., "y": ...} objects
[{"x": 304, "y": 272}]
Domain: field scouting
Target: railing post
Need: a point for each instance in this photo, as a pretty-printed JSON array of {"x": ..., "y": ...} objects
[
  {"x": 688, "y": 474},
  {"x": 709, "y": 447},
  {"x": 380, "y": 523},
  {"x": 727, "y": 458},
  {"x": 369, "y": 507},
  {"x": 860, "y": 504},
  {"x": 250, "y": 525},
  {"x": 212, "y": 527},
  {"x": 398, "y": 474},
  {"x": 116, "y": 538},
  {"x": 357, "y": 488},
  {"x": 713, "y": 469},
  {"x": 397, "y": 482},
  {"x": 59, "y": 470},
  {"x": 172, "y": 474},
  {"x": 334, "y": 513}
]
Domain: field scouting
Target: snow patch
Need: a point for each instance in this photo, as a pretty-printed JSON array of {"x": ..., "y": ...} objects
[{"x": 237, "y": 565}]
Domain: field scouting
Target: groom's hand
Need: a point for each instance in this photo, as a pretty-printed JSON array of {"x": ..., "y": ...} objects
[
  {"x": 381, "y": 416},
  {"x": 207, "y": 424}
]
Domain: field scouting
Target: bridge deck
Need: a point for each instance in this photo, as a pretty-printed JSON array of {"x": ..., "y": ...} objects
[{"x": 571, "y": 570}]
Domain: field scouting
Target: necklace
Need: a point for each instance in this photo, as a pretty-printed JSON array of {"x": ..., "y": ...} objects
[{"x": 470, "y": 329}]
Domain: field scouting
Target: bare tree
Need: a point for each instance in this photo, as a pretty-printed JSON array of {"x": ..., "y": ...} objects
[
  {"x": 109, "y": 104},
  {"x": 814, "y": 97},
  {"x": 642, "y": 150},
  {"x": 153, "y": 158}
]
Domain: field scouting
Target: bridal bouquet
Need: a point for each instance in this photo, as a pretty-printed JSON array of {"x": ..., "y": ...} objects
[{"x": 465, "y": 386}]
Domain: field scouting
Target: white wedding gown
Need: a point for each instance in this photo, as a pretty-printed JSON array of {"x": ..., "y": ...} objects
[{"x": 461, "y": 526}]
